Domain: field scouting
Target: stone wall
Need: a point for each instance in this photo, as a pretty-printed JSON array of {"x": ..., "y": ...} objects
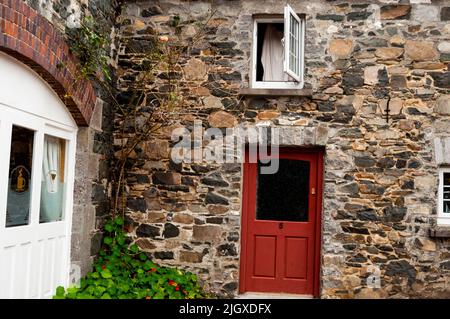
[
  {"x": 380, "y": 192},
  {"x": 91, "y": 202}
]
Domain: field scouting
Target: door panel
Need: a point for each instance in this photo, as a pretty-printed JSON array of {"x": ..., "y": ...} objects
[
  {"x": 280, "y": 225},
  {"x": 296, "y": 257},
  {"x": 265, "y": 256}
]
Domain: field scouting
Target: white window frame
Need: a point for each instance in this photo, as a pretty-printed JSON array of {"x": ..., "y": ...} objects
[
  {"x": 298, "y": 82},
  {"x": 442, "y": 218}
]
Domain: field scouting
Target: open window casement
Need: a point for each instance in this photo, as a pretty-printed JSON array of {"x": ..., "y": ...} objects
[
  {"x": 293, "y": 44},
  {"x": 278, "y": 51}
]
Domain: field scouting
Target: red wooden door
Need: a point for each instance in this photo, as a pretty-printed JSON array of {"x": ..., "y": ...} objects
[{"x": 281, "y": 225}]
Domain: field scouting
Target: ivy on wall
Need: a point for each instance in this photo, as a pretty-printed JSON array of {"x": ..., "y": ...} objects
[{"x": 90, "y": 44}]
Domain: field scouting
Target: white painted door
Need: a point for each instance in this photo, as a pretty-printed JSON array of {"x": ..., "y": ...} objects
[{"x": 37, "y": 143}]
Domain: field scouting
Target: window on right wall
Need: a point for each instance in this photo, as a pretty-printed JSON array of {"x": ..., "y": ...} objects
[
  {"x": 444, "y": 196},
  {"x": 278, "y": 51}
]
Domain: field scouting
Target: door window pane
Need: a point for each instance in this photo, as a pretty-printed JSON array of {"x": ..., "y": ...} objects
[
  {"x": 19, "y": 181},
  {"x": 283, "y": 196},
  {"x": 53, "y": 182}
]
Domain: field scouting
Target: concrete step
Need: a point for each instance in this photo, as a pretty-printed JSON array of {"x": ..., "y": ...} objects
[{"x": 269, "y": 295}]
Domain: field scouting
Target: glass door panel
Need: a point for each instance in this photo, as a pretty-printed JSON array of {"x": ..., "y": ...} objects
[
  {"x": 53, "y": 183},
  {"x": 19, "y": 180},
  {"x": 283, "y": 196}
]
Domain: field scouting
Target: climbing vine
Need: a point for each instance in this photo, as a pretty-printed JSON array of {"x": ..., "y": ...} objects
[
  {"x": 121, "y": 270},
  {"x": 147, "y": 109},
  {"x": 90, "y": 44}
]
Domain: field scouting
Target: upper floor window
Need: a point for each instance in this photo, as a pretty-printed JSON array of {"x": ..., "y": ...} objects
[
  {"x": 444, "y": 196},
  {"x": 278, "y": 51}
]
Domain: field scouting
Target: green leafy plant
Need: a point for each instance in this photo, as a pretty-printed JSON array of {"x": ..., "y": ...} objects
[
  {"x": 124, "y": 272},
  {"x": 90, "y": 44}
]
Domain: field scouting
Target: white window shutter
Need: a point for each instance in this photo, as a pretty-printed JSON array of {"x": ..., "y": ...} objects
[{"x": 293, "y": 41}]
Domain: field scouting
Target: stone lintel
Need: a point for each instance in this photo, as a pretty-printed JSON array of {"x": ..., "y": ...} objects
[{"x": 442, "y": 150}]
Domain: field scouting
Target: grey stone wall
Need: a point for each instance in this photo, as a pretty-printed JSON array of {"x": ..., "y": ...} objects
[
  {"x": 380, "y": 192},
  {"x": 91, "y": 202}
]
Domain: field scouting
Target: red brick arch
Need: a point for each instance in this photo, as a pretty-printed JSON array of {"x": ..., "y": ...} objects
[{"x": 30, "y": 38}]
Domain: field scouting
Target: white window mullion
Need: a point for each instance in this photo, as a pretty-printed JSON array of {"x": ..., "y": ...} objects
[{"x": 36, "y": 174}]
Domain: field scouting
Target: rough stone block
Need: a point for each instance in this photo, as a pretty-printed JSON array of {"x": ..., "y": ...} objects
[
  {"x": 191, "y": 256},
  {"x": 222, "y": 119},
  {"x": 395, "y": 12},
  {"x": 207, "y": 233},
  {"x": 145, "y": 230},
  {"x": 167, "y": 178},
  {"x": 425, "y": 13},
  {"x": 443, "y": 105},
  {"x": 341, "y": 48},
  {"x": 418, "y": 50},
  {"x": 371, "y": 74}
]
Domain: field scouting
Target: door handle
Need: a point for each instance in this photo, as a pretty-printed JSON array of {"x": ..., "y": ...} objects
[{"x": 280, "y": 225}]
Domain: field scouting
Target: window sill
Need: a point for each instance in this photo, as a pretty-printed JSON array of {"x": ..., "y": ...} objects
[
  {"x": 275, "y": 92},
  {"x": 440, "y": 231}
]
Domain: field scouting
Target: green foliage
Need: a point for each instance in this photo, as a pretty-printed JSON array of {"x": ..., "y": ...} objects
[
  {"x": 90, "y": 44},
  {"x": 124, "y": 272}
]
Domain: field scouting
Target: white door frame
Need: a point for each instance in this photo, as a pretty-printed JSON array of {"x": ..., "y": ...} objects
[{"x": 27, "y": 101}]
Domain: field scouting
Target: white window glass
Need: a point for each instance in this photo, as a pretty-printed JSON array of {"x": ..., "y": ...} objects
[{"x": 53, "y": 182}]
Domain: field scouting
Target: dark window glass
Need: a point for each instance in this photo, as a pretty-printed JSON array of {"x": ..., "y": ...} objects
[
  {"x": 446, "y": 193},
  {"x": 447, "y": 179},
  {"x": 283, "y": 196},
  {"x": 19, "y": 188},
  {"x": 446, "y": 207}
]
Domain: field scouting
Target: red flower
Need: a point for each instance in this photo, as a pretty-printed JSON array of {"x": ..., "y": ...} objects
[
  {"x": 172, "y": 283},
  {"x": 104, "y": 267},
  {"x": 153, "y": 269},
  {"x": 177, "y": 288}
]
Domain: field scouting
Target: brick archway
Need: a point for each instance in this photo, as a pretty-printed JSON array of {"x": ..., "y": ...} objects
[{"x": 33, "y": 40}]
